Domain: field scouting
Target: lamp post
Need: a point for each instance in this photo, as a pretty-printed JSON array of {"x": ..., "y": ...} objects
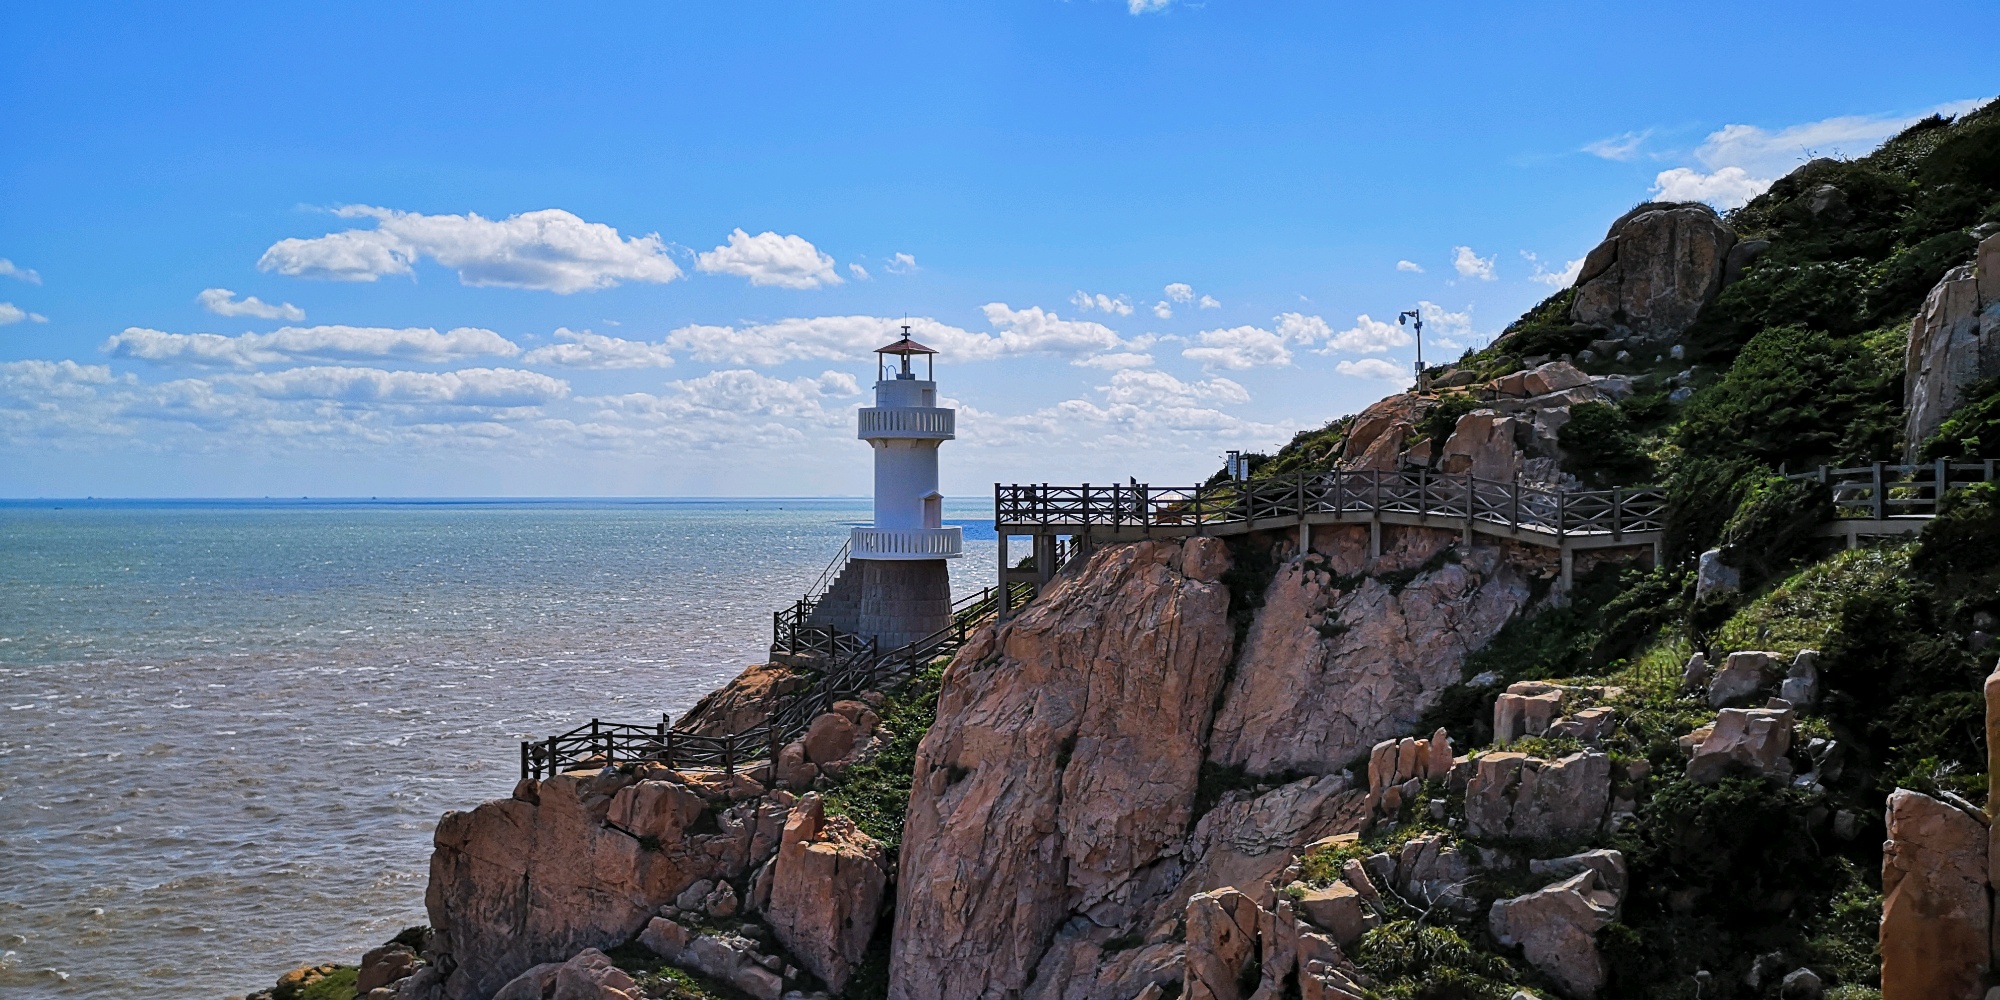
[{"x": 1415, "y": 317}]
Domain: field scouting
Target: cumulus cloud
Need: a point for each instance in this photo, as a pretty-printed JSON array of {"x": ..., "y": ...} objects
[
  {"x": 732, "y": 407},
  {"x": 901, "y": 263},
  {"x": 1367, "y": 336},
  {"x": 1554, "y": 279},
  {"x": 1741, "y": 162},
  {"x": 1036, "y": 331},
  {"x": 860, "y": 273},
  {"x": 1103, "y": 303},
  {"x": 596, "y": 351},
  {"x": 1163, "y": 310},
  {"x": 1374, "y": 368},
  {"x": 223, "y": 302},
  {"x": 292, "y": 343},
  {"x": 1117, "y": 360},
  {"x": 1726, "y": 188},
  {"x": 1471, "y": 265},
  {"x": 11, "y": 314},
  {"x": 549, "y": 250},
  {"x": 770, "y": 259},
  {"x": 1621, "y": 147},
  {"x": 1180, "y": 292},
  {"x": 1209, "y": 302},
  {"x": 490, "y": 387},
  {"x": 1137, "y": 7},
  {"x": 1238, "y": 348},
  {"x": 1410, "y": 266},
  {"x": 10, "y": 270}
]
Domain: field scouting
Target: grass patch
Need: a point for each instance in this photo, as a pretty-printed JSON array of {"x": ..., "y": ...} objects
[
  {"x": 336, "y": 985},
  {"x": 875, "y": 793}
]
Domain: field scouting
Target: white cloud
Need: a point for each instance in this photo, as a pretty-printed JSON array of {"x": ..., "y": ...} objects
[
  {"x": 291, "y": 343},
  {"x": 1036, "y": 331},
  {"x": 733, "y": 407},
  {"x": 1299, "y": 328},
  {"x": 1209, "y": 302},
  {"x": 1554, "y": 279},
  {"x": 1471, "y": 265},
  {"x": 1238, "y": 348},
  {"x": 492, "y": 387},
  {"x": 1742, "y": 161},
  {"x": 822, "y": 338},
  {"x": 901, "y": 263},
  {"x": 1374, "y": 368},
  {"x": 1113, "y": 362},
  {"x": 1180, "y": 292},
  {"x": 1410, "y": 265},
  {"x": 223, "y": 302},
  {"x": 594, "y": 350},
  {"x": 1727, "y": 188},
  {"x": 860, "y": 273},
  {"x": 11, "y": 314},
  {"x": 1367, "y": 336},
  {"x": 770, "y": 259},
  {"x": 1163, "y": 310},
  {"x": 550, "y": 250},
  {"x": 8, "y": 269},
  {"x": 1103, "y": 303},
  {"x": 1137, "y": 7},
  {"x": 1618, "y": 147}
]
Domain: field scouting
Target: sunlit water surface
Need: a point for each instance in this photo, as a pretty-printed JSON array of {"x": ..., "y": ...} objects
[{"x": 228, "y": 728}]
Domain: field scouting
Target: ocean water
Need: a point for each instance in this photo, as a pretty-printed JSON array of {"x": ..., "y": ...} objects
[{"x": 228, "y": 728}]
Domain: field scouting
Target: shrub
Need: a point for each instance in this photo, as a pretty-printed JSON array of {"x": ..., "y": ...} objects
[{"x": 1601, "y": 448}]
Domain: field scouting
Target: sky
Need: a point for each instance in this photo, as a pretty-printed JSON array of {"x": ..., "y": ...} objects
[{"x": 288, "y": 249}]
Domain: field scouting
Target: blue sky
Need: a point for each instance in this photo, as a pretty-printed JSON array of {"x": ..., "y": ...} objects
[{"x": 645, "y": 248}]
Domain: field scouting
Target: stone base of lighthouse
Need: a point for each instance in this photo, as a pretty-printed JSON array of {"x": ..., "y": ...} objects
[{"x": 898, "y": 601}]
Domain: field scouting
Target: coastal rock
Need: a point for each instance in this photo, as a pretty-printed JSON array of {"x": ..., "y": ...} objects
[
  {"x": 1742, "y": 676},
  {"x": 1482, "y": 444},
  {"x": 588, "y": 976},
  {"x": 1801, "y": 685},
  {"x": 743, "y": 704},
  {"x": 1221, "y": 944},
  {"x": 826, "y": 892},
  {"x": 1087, "y": 736},
  {"x": 1954, "y": 342},
  {"x": 1556, "y": 930},
  {"x": 1752, "y": 738},
  {"x": 1341, "y": 910},
  {"x": 1609, "y": 866},
  {"x": 1520, "y": 797},
  {"x": 1431, "y": 870},
  {"x": 1656, "y": 269},
  {"x": 381, "y": 966},
  {"x": 1330, "y": 668},
  {"x": 514, "y": 883},
  {"x": 1936, "y": 916},
  {"x": 1526, "y": 708},
  {"x": 731, "y": 959}
]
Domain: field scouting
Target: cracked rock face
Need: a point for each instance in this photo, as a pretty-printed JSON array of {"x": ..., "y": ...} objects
[
  {"x": 1326, "y": 673},
  {"x": 1654, "y": 272}
]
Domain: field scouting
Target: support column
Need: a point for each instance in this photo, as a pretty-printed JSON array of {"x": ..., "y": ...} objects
[
  {"x": 1006, "y": 603},
  {"x": 1305, "y": 537},
  {"x": 1045, "y": 559},
  {"x": 1568, "y": 567},
  {"x": 1375, "y": 537}
]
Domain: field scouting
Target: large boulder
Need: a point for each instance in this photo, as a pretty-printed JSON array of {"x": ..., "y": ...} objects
[
  {"x": 1936, "y": 942},
  {"x": 1515, "y": 796},
  {"x": 390, "y": 963},
  {"x": 1743, "y": 675},
  {"x": 1755, "y": 739},
  {"x": 1556, "y": 930},
  {"x": 588, "y": 976},
  {"x": 1655, "y": 270},
  {"x": 1954, "y": 341},
  {"x": 1221, "y": 944},
  {"x": 826, "y": 892},
  {"x": 1526, "y": 708},
  {"x": 1483, "y": 444},
  {"x": 731, "y": 958}
]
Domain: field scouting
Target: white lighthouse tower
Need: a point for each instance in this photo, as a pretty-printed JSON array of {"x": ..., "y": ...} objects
[{"x": 896, "y": 587}]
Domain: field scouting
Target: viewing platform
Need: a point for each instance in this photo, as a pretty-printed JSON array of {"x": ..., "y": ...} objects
[
  {"x": 926, "y": 423},
  {"x": 906, "y": 543}
]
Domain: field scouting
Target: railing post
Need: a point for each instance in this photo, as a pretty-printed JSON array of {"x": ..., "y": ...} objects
[
  {"x": 1877, "y": 484},
  {"x": 777, "y": 743},
  {"x": 1943, "y": 484},
  {"x": 728, "y": 753},
  {"x": 1514, "y": 515},
  {"x": 1338, "y": 507},
  {"x": 1469, "y": 497},
  {"x": 1617, "y": 514},
  {"x": 524, "y": 760},
  {"x": 1423, "y": 494},
  {"x": 550, "y": 761},
  {"x": 1145, "y": 501},
  {"x": 1197, "y": 509},
  {"x": 1562, "y": 514}
]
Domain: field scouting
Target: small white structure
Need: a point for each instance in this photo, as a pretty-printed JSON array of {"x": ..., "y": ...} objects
[
  {"x": 895, "y": 587},
  {"x": 905, "y": 427}
]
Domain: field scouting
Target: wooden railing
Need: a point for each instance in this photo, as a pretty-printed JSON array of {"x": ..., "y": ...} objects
[
  {"x": 851, "y": 665},
  {"x": 1882, "y": 491},
  {"x": 1515, "y": 505}
]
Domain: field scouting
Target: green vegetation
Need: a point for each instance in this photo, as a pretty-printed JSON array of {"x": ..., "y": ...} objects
[
  {"x": 1972, "y": 432},
  {"x": 660, "y": 981},
  {"x": 335, "y": 985},
  {"x": 875, "y": 793}
]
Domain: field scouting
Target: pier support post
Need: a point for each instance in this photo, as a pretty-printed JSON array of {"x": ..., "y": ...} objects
[
  {"x": 1305, "y": 536},
  {"x": 1568, "y": 567},
  {"x": 1375, "y": 537},
  {"x": 1006, "y": 603}
]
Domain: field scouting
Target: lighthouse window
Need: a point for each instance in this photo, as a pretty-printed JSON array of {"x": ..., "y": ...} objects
[{"x": 933, "y": 511}]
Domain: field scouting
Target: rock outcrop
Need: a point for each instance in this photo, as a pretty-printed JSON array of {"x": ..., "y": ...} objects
[
  {"x": 1556, "y": 930},
  {"x": 1516, "y": 796},
  {"x": 1936, "y": 917},
  {"x": 1329, "y": 668},
  {"x": 826, "y": 892},
  {"x": 1656, "y": 269},
  {"x": 1750, "y": 739},
  {"x": 587, "y": 976},
  {"x": 1954, "y": 342}
]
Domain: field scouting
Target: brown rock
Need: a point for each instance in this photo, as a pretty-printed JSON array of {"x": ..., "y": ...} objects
[
  {"x": 1438, "y": 766},
  {"x": 1516, "y": 796},
  {"x": 1756, "y": 737},
  {"x": 826, "y": 892},
  {"x": 1406, "y": 759},
  {"x": 1341, "y": 910},
  {"x": 1554, "y": 376},
  {"x": 742, "y": 704},
  {"x": 588, "y": 976},
  {"x": 831, "y": 737},
  {"x": 1590, "y": 725},
  {"x": 1221, "y": 943},
  {"x": 1204, "y": 559},
  {"x": 1556, "y": 929},
  {"x": 794, "y": 770},
  {"x": 1483, "y": 443},
  {"x": 1304, "y": 700},
  {"x": 1056, "y": 776},
  {"x": 1526, "y": 708},
  {"x": 1386, "y": 453},
  {"x": 1936, "y": 938},
  {"x": 658, "y": 809},
  {"x": 1742, "y": 676},
  {"x": 1654, "y": 272},
  {"x": 1954, "y": 342},
  {"x": 385, "y": 965}
]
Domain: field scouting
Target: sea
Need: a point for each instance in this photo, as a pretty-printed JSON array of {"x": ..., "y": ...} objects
[{"x": 228, "y": 728}]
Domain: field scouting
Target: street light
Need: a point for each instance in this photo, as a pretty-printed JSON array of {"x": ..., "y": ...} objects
[{"x": 1416, "y": 316}]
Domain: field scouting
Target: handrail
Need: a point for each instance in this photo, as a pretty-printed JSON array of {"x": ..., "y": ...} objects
[
  {"x": 1464, "y": 497},
  {"x": 853, "y": 664},
  {"x": 1881, "y": 491}
]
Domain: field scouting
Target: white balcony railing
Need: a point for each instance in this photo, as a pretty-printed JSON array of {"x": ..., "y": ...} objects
[
  {"x": 906, "y": 543},
  {"x": 927, "y": 422}
]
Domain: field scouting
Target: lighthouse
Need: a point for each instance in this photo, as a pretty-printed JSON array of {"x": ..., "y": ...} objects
[{"x": 896, "y": 587}]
